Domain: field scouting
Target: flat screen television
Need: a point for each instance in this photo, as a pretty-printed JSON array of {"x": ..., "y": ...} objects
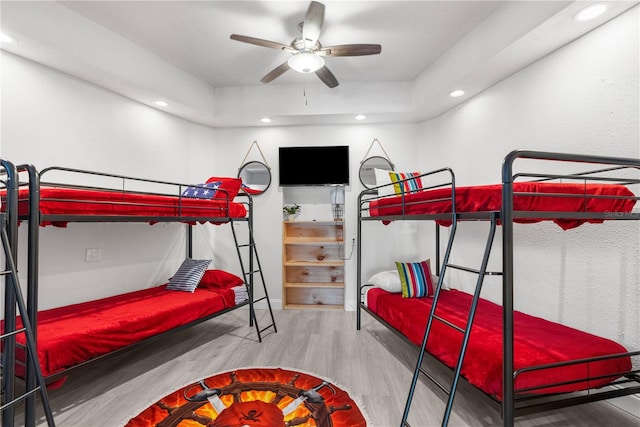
[{"x": 323, "y": 165}]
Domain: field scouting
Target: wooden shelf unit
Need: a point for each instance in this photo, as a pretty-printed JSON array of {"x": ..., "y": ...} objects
[{"x": 312, "y": 264}]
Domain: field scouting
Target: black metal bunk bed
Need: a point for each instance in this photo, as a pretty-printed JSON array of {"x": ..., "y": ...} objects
[
  {"x": 513, "y": 402},
  {"x": 15, "y": 309},
  {"x": 167, "y": 204}
]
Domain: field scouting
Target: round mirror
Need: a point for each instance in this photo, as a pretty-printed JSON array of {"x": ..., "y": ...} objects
[
  {"x": 256, "y": 177},
  {"x": 368, "y": 166}
]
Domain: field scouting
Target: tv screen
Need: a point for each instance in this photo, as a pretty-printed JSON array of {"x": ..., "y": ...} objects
[{"x": 314, "y": 165}]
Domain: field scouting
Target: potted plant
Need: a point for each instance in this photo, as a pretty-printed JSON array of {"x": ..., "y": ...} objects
[{"x": 291, "y": 211}]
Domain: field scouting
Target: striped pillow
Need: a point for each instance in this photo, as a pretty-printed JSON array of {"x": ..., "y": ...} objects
[
  {"x": 188, "y": 275},
  {"x": 415, "y": 279},
  {"x": 412, "y": 184}
]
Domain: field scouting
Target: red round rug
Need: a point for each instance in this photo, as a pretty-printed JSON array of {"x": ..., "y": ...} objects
[{"x": 255, "y": 397}]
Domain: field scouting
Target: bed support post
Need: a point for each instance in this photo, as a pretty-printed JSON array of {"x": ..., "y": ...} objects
[
  {"x": 437, "y": 248},
  {"x": 189, "y": 241},
  {"x": 359, "y": 264},
  {"x": 32, "y": 282},
  {"x": 508, "y": 397},
  {"x": 9, "y": 351}
]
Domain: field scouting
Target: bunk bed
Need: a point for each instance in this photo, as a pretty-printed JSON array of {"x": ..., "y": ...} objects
[
  {"x": 76, "y": 335},
  {"x": 521, "y": 363}
]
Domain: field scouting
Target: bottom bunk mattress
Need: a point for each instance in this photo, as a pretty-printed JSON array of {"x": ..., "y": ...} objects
[
  {"x": 70, "y": 335},
  {"x": 536, "y": 342}
]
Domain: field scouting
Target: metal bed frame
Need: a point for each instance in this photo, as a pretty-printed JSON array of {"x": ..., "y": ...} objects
[
  {"x": 246, "y": 252},
  {"x": 513, "y": 404}
]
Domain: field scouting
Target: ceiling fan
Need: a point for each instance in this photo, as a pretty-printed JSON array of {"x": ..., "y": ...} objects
[{"x": 307, "y": 54}]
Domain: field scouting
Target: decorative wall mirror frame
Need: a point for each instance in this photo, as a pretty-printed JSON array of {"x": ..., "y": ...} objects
[
  {"x": 368, "y": 166},
  {"x": 255, "y": 175},
  {"x": 367, "y": 169}
]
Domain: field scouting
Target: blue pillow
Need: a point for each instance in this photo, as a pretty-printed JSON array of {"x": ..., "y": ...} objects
[{"x": 188, "y": 275}]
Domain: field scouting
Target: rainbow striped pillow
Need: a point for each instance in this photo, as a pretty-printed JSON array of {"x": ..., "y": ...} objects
[
  {"x": 412, "y": 184},
  {"x": 415, "y": 279}
]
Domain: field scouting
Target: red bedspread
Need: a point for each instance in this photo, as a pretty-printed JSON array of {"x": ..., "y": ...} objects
[
  {"x": 70, "y": 201},
  {"x": 76, "y": 333},
  {"x": 486, "y": 198},
  {"x": 536, "y": 342}
]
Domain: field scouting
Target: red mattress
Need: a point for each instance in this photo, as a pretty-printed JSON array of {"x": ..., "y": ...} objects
[
  {"x": 76, "y": 333},
  {"x": 536, "y": 342},
  {"x": 70, "y": 201},
  {"x": 486, "y": 198}
]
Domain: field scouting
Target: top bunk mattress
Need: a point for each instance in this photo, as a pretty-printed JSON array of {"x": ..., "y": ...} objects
[
  {"x": 536, "y": 342},
  {"x": 540, "y": 197},
  {"x": 77, "y": 202}
]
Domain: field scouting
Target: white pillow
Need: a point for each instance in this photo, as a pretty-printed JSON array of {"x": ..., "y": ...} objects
[
  {"x": 383, "y": 178},
  {"x": 434, "y": 279},
  {"x": 387, "y": 280}
]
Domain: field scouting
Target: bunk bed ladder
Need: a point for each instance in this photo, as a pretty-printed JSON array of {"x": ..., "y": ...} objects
[
  {"x": 466, "y": 331},
  {"x": 14, "y": 295},
  {"x": 249, "y": 273}
]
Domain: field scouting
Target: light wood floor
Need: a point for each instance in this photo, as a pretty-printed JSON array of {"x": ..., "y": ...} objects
[{"x": 374, "y": 365}]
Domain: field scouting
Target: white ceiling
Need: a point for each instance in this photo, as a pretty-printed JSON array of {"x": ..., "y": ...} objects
[
  {"x": 180, "y": 51},
  {"x": 195, "y": 35}
]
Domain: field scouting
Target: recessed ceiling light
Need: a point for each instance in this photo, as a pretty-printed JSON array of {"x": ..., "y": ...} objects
[
  {"x": 265, "y": 120},
  {"x": 6, "y": 38},
  {"x": 590, "y": 12},
  {"x": 456, "y": 93},
  {"x": 161, "y": 103},
  {"x": 361, "y": 117}
]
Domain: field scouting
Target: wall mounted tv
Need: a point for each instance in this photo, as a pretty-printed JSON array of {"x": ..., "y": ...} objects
[{"x": 323, "y": 165}]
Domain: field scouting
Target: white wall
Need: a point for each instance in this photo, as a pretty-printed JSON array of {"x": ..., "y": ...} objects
[
  {"x": 50, "y": 118},
  {"x": 398, "y": 141},
  {"x": 583, "y": 98}
]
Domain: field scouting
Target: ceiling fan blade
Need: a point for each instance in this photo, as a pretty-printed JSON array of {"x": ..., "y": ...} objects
[
  {"x": 259, "y": 42},
  {"x": 276, "y": 72},
  {"x": 313, "y": 21},
  {"x": 351, "y": 50},
  {"x": 327, "y": 77}
]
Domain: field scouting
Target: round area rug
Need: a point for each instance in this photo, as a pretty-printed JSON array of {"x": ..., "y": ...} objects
[{"x": 255, "y": 397}]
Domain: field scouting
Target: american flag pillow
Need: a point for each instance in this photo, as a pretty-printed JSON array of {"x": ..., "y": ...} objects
[{"x": 201, "y": 191}]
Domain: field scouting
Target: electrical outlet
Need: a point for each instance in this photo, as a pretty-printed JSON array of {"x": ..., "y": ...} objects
[{"x": 92, "y": 254}]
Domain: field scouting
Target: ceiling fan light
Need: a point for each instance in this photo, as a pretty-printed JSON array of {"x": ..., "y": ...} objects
[{"x": 306, "y": 62}]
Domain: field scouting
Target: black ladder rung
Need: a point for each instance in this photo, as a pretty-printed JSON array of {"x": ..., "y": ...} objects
[
  {"x": 20, "y": 398},
  {"x": 5, "y": 272},
  {"x": 249, "y": 273},
  {"x": 246, "y": 245},
  {"x": 266, "y": 327},
  {"x": 259, "y": 299},
  {"x": 474, "y": 270},
  {"x": 8, "y": 334},
  {"x": 446, "y": 322},
  {"x": 434, "y": 381}
]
